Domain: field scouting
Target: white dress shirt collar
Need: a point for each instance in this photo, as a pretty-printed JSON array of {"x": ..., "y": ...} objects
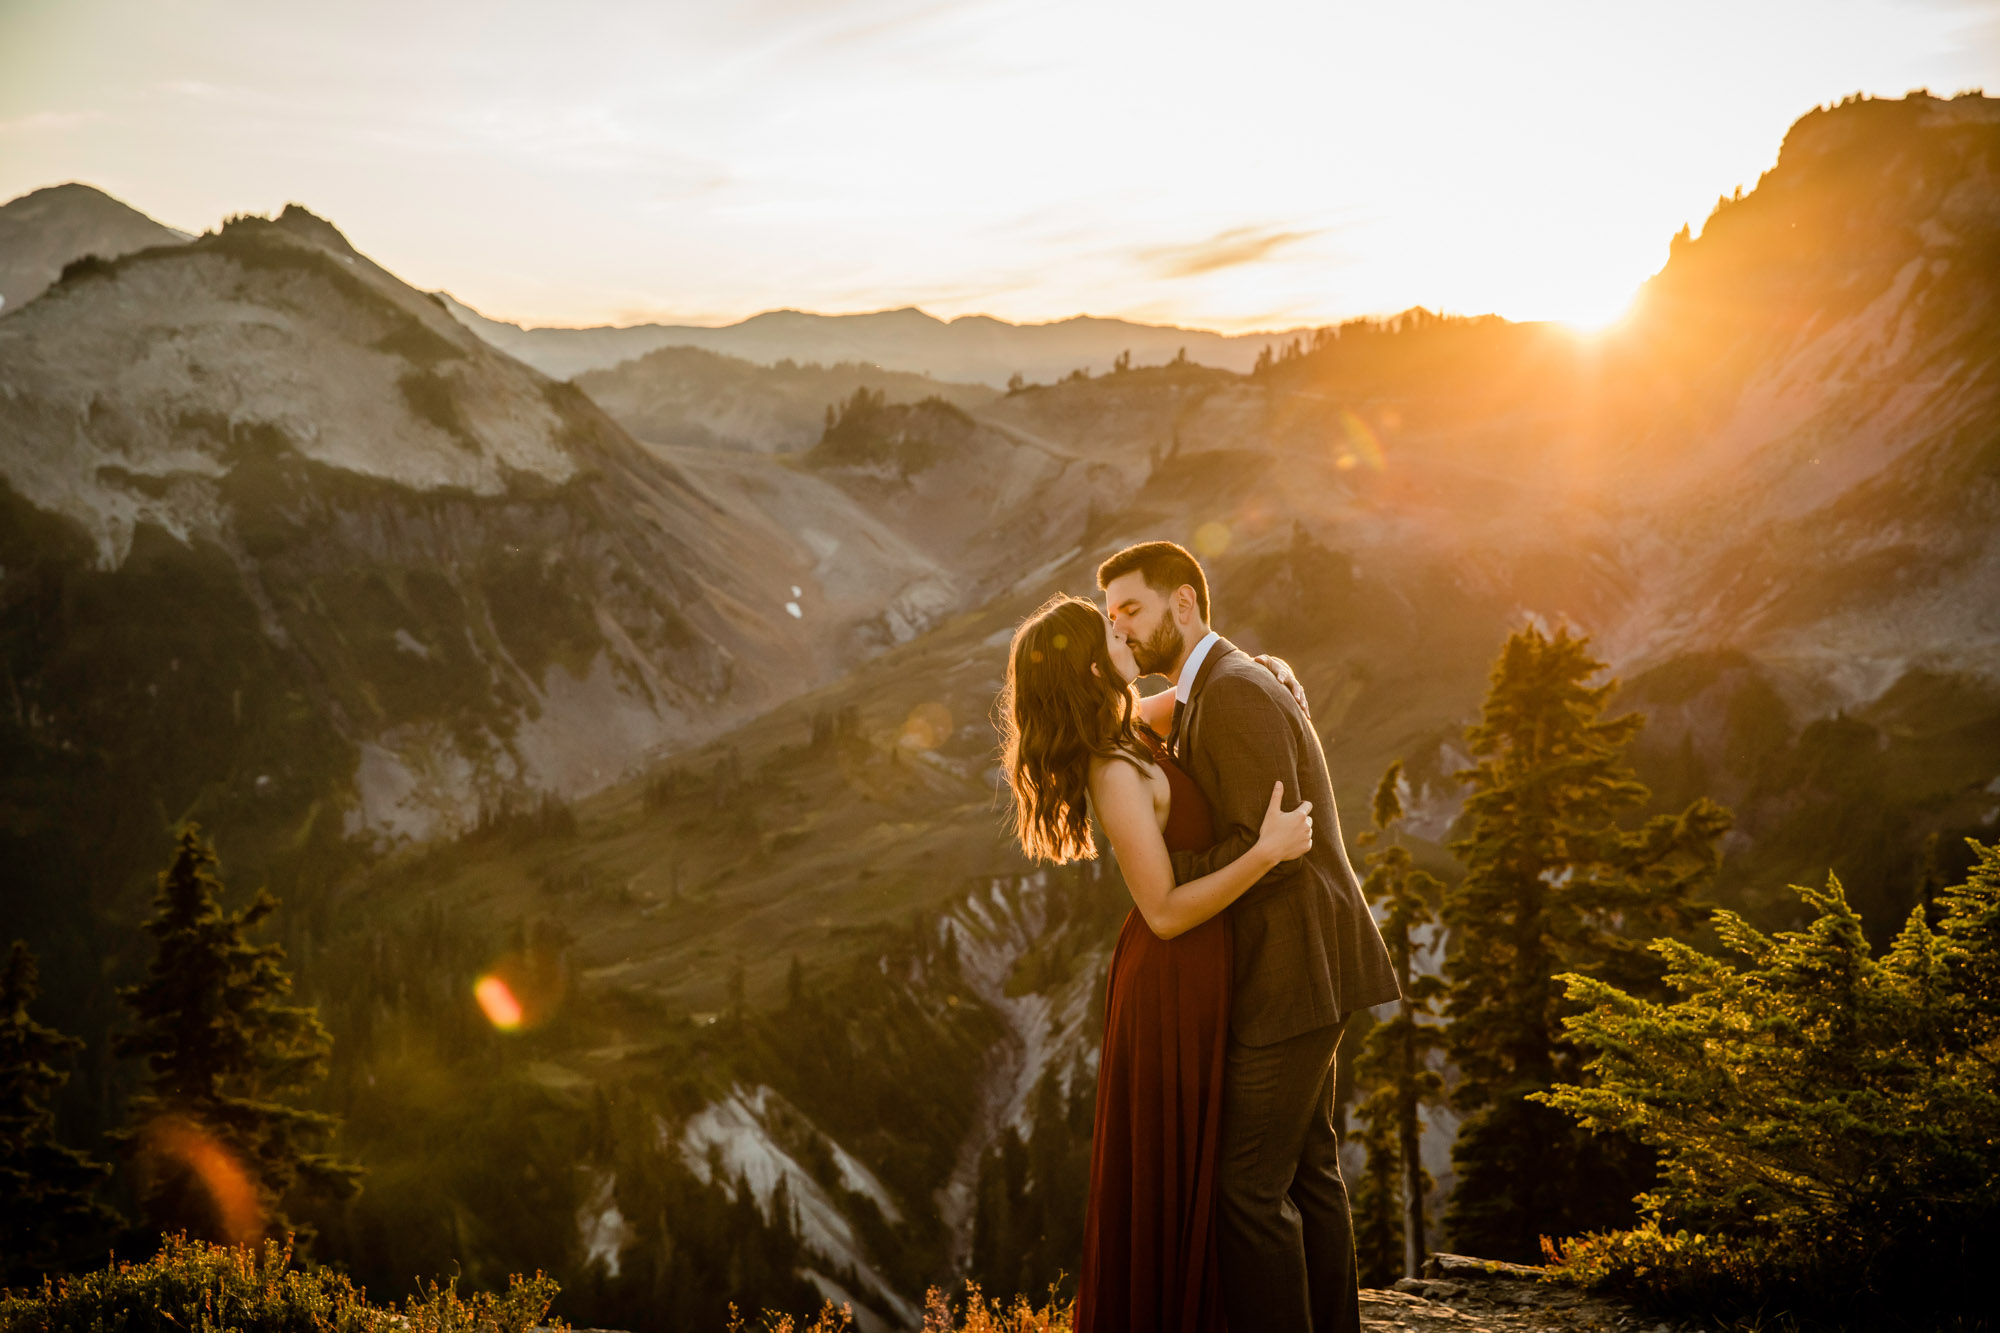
[{"x": 1184, "y": 687}]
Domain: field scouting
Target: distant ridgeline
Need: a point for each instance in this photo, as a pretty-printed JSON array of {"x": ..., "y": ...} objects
[{"x": 619, "y": 750}]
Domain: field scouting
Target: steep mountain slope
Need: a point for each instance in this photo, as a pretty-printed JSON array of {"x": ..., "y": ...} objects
[
  {"x": 686, "y": 396},
  {"x": 289, "y": 551},
  {"x": 43, "y": 230},
  {"x": 1827, "y": 482},
  {"x": 974, "y": 348}
]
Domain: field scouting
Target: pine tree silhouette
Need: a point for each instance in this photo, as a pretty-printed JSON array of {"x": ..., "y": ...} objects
[
  {"x": 1396, "y": 1056},
  {"x": 48, "y": 1211},
  {"x": 1554, "y": 883},
  {"x": 219, "y": 1153}
]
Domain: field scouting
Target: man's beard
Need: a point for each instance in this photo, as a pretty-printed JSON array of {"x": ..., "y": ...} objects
[{"x": 1158, "y": 652}]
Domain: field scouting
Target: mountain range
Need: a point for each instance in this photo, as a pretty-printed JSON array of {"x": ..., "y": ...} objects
[
  {"x": 289, "y": 550},
  {"x": 976, "y": 348}
]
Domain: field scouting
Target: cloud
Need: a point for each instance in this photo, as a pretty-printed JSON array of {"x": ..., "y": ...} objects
[
  {"x": 1225, "y": 249},
  {"x": 43, "y": 122}
]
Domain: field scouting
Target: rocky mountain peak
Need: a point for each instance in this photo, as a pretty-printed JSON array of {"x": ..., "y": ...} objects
[
  {"x": 137, "y": 381},
  {"x": 302, "y": 221},
  {"x": 45, "y": 230},
  {"x": 1864, "y": 195}
]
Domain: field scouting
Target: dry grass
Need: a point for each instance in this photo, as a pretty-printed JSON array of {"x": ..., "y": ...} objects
[{"x": 973, "y": 1314}]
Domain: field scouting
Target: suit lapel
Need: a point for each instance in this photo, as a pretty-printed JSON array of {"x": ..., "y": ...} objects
[{"x": 1184, "y": 714}]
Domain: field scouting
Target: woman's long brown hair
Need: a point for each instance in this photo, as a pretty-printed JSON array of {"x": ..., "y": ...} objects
[{"x": 1055, "y": 716}]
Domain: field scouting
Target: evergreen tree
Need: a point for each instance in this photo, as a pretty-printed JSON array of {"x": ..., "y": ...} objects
[
  {"x": 1554, "y": 883},
  {"x": 1396, "y": 1056},
  {"x": 47, "y": 1204},
  {"x": 219, "y": 1153},
  {"x": 1378, "y": 1203},
  {"x": 1829, "y": 1121}
]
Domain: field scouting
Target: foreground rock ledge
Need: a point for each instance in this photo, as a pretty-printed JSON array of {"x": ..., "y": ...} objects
[{"x": 1476, "y": 1295}]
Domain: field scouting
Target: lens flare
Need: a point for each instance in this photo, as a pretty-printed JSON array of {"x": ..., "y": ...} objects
[
  {"x": 1358, "y": 445},
  {"x": 1211, "y": 538},
  {"x": 524, "y": 988},
  {"x": 497, "y": 1002},
  {"x": 927, "y": 727},
  {"x": 177, "y": 1155}
]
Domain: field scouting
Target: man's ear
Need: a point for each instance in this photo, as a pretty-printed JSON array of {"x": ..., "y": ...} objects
[{"x": 1184, "y": 604}]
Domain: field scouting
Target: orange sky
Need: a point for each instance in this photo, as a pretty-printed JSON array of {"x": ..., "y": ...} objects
[{"x": 1251, "y": 165}]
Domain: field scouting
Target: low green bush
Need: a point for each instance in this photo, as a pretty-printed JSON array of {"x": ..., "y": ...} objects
[
  {"x": 1828, "y": 1120},
  {"x": 192, "y": 1286}
]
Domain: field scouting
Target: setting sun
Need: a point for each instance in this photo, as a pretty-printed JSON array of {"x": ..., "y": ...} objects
[{"x": 1293, "y": 165}]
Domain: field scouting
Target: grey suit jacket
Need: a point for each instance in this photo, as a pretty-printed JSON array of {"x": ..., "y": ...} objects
[{"x": 1307, "y": 949}]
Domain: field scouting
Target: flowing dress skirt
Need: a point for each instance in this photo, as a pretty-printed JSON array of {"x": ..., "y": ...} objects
[{"x": 1149, "y": 1229}]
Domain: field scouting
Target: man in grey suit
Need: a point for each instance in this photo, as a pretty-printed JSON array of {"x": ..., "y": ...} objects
[{"x": 1307, "y": 953}]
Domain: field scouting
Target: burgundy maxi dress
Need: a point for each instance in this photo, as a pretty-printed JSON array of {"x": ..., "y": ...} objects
[{"x": 1149, "y": 1228}]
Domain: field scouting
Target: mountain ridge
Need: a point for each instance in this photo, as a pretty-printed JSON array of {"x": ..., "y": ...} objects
[{"x": 981, "y": 348}]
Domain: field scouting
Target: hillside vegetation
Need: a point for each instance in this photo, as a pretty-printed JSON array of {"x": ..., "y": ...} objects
[{"x": 687, "y": 396}]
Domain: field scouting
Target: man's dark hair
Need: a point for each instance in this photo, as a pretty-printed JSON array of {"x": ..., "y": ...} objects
[{"x": 1165, "y": 566}]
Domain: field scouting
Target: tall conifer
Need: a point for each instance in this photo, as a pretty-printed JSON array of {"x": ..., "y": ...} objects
[
  {"x": 1377, "y": 1202},
  {"x": 47, "y": 1204},
  {"x": 1396, "y": 1057},
  {"x": 1554, "y": 883},
  {"x": 218, "y": 1148}
]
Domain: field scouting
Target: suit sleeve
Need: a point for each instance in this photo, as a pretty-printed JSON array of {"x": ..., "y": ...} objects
[{"x": 1248, "y": 744}]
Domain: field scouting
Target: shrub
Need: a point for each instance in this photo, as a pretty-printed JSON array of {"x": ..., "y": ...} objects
[
  {"x": 85, "y": 266},
  {"x": 1828, "y": 1121},
  {"x": 979, "y": 1315},
  {"x": 192, "y": 1286}
]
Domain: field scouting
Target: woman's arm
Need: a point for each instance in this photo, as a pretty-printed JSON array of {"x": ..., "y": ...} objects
[
  {"x": 1157, "y": 711},
  {"x": 1124, "y": 801}
]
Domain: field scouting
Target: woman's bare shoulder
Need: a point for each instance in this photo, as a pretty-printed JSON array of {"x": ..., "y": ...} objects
[{"x": 1120, "y": 769}]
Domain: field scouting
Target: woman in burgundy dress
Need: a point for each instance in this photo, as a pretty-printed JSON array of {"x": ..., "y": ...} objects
[{"x": 1076, "y": 744}]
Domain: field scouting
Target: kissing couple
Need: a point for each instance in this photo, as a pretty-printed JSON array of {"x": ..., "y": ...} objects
[{"x": 1216, "y": 1199}]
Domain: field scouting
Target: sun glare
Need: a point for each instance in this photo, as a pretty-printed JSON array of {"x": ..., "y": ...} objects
[{"x": 1596, "y": 316}]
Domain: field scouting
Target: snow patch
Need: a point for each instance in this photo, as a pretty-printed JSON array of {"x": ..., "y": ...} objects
[
  {"x": 734, "y": 1135},
  {"x": 992, "y": 930},
  {"x": 412, "y": 782},
  {"x": 865, "y": 1319},
  {"x": 588, "y": 729},
  {"x": 601, "y": 1227}
]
